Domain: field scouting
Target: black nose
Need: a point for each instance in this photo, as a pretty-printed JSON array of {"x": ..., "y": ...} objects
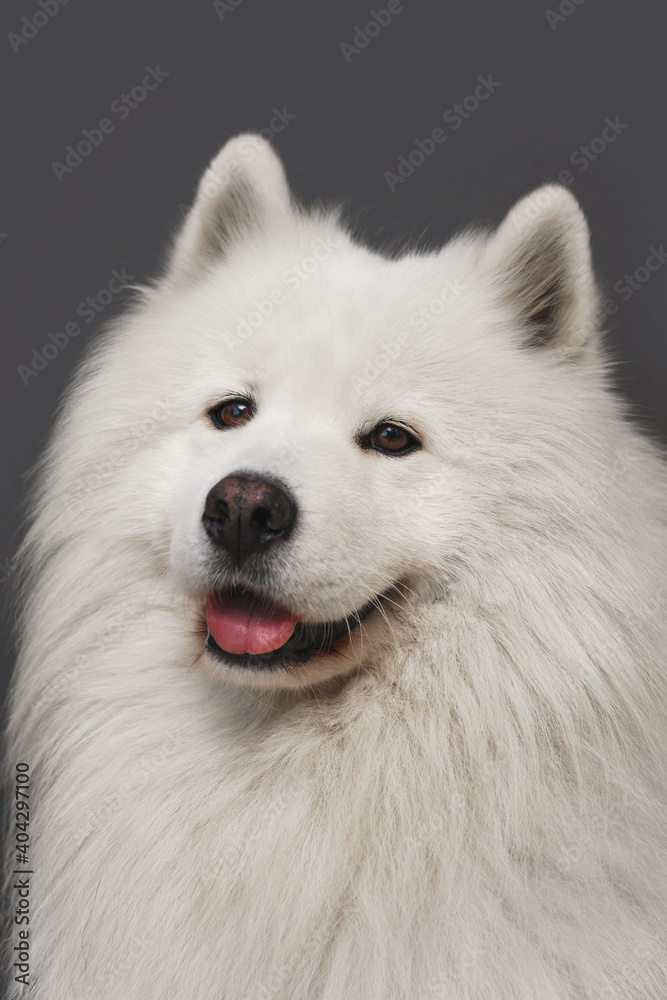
[{"x": 245, "y": 514}]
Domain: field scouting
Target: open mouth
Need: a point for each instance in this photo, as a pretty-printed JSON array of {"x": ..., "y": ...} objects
[{"x": 248, "y": 631}]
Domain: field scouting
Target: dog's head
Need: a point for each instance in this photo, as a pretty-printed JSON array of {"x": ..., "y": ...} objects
[{"x": 344, "y": 428}]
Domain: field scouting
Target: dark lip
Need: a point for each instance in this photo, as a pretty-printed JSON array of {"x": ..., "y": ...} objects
[{"x": 307, "y": 641}]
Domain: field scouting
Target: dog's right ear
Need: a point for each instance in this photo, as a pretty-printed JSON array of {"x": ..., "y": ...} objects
[
  {"x": 243, "y": 191},
  {"x": 540, "y": 262}
]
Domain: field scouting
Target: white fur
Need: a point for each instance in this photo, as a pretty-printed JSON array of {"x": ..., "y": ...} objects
[{"x": 471, "y": 802}]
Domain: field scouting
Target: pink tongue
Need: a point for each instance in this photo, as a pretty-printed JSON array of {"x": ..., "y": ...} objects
[{"x": 239, "y": 625}]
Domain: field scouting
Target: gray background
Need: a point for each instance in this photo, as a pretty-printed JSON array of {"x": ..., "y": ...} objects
[{"x": 60, "y": 240}]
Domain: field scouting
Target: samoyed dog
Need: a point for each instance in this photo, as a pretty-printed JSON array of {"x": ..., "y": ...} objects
[{"x": 343, "y": 627}]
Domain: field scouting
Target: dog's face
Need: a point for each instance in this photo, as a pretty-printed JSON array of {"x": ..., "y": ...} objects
[{"x": 342, "y": 425}]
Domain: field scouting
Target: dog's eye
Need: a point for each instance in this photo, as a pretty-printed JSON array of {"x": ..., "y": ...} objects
[
  {"x": 233, "y": 413},
  {"x": 392, "y": 439}
]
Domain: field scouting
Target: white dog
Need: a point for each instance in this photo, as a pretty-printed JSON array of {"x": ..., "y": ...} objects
[{"x": 342, "y": 666}]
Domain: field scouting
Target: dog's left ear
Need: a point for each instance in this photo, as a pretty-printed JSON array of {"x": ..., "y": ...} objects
[
  {"x": 540, "y": 261},
  {"x": 244, "y": 191}
]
